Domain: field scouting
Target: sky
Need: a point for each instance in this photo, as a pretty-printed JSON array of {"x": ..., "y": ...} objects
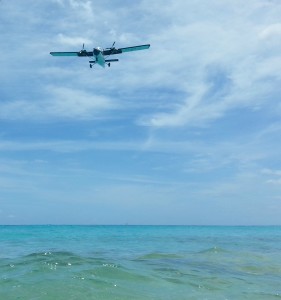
[{"x": 187, "y": 132}]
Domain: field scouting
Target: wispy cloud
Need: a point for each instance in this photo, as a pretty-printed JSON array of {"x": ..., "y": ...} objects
[
  {"x": 191, "y": 48},
  {"x": 66, "y": 41},
  {"x": 59, "y": 102}
]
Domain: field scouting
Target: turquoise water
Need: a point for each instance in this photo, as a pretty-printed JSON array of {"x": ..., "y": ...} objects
[{"x": 140, "y": 262}]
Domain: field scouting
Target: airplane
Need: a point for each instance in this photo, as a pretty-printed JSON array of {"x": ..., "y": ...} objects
[{"x": 101, "y": 55}]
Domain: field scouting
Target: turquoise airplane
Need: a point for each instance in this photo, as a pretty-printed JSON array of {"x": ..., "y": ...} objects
[{"x": 100, "y": 56}]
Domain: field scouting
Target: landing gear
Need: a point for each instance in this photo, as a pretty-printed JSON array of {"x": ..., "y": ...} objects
[
  {"x": 91, "y": 66},
  {"x": 108, "y": 64}
]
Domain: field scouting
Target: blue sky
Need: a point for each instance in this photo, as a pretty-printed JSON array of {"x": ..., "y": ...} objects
[{"x": 187, "y": 132}]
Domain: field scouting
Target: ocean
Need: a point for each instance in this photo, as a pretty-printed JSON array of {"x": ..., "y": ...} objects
[{"x": 140, "y": 262}]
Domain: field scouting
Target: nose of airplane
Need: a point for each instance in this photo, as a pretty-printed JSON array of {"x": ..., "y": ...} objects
[{"x": 97, "y": 51}]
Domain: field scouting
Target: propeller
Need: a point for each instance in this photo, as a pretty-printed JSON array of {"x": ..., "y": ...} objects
[
  {"x": 112, "y": 47},
  {"x": 83, "y": 52}
]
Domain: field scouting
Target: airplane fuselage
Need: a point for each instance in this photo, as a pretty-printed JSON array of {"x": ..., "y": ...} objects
[{"x": 99, "y": 58}]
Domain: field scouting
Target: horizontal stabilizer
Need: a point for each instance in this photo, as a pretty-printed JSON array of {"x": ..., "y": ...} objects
[{"x": 110, "y": 60}]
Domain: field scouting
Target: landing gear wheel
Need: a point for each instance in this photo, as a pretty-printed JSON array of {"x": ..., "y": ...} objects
[
  {"x": 109, "y": 64},
  {"x": 91, "y": 66}
]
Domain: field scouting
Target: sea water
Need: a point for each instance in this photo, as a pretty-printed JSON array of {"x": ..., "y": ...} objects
[{"x": 139, "y": 262}]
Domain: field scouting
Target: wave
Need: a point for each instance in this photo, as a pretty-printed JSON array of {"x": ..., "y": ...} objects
[
  {"x": 158, "y": 255},
  {"x": 53, "y": 259},
  {"x": 213, "y": 250}
]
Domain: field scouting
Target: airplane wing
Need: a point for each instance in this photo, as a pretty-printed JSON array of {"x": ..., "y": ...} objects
[
  {"x": 126, "y": 49},
  {"x": 79, "y": 53},
  {"x": 135, "y": 48}
]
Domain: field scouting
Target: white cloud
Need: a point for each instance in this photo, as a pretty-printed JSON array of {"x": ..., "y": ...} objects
[
  {"x": 66, "y": 41},
  {"x": 271, "y": 31},
  {"x": 59, "y": 102},
  {"x": 271, "y": 172},
  {"x": 77, "y": 104},
  {"x": 70, "y": 146},
  {"x": 275, "y": 176},
  {"x": 274, "y": 181},
  {"x": 186, "y": 49}
]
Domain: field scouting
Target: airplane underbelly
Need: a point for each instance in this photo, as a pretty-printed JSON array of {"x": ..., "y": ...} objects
[{"x": 100, "y": 60}]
